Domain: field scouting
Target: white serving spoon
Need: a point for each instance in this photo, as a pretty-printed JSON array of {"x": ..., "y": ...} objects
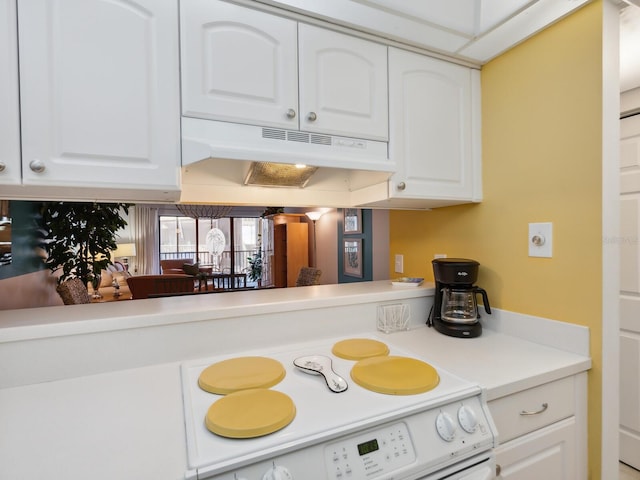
[{"x": 321, "y": 365}]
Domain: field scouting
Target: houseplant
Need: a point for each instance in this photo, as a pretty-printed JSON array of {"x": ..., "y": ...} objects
[
  {"x": 80, "y": 237},
  {"x": 255, "y": 262},
  {"x": 255, "y": 267}
]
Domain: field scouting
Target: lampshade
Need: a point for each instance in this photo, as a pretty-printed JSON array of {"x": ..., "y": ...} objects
[
  {"x": 314, "y": 215},
  {"x": 125, "y": 250}
]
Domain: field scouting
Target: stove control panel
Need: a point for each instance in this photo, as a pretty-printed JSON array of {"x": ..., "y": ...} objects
[
  {"x": 412, "y": 446},
  {"x": 371, "y": 454}
]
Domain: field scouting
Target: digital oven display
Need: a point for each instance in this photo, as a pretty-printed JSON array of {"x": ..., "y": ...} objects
[{"x": 368, "y": 447}]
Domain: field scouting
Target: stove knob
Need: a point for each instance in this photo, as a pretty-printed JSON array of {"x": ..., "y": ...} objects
[
  {"x": 467, "y": 418},
  {"x": 277, "y": 473},
  {"x": 446, "y": 426}
]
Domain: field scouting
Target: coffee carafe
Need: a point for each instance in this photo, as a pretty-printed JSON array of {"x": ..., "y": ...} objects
[{"x": 455, "y": 308}]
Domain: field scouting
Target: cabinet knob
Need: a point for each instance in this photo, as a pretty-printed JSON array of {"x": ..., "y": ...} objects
[
  {"x": 291, "y": 113},
  {"x": 312, "y": 117},
  {"x": 2, "y": 166},
  {"x": 37, "y": 166},
  {"x": 401, "y": 186}
]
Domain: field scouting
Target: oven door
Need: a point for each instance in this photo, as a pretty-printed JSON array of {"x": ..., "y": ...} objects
[{"x": 481, "y": 467}]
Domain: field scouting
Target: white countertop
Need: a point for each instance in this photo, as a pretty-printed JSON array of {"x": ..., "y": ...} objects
[
  {"x": 126, "y": 422},
  {"x": 500, "y": 363},
  {"x": 35, "y": 323}
]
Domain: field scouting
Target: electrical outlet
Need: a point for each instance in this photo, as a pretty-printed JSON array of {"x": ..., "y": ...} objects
[{"x": 399, "y": 264}]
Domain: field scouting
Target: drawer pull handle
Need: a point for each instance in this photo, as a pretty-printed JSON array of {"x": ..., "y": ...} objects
[{"x": 538, "y": 412}]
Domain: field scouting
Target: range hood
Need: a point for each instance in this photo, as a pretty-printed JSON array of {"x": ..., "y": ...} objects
[
  {"x": 227, "y": 156},
  {"x": 202, "y": 139},
  {"x": 220, "y": 161}
]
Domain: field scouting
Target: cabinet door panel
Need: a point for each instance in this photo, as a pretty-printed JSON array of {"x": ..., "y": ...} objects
[
  {"x": 99, "y": 92},
  {"x": 239, "y": 65},
  {"x": 343, "y": 80},
  {"x": 548, "y": 453},
  {"x": 629, "y": 289},
  {"x": 431, "y": 138},
  {"x": 9, "y": 104}
]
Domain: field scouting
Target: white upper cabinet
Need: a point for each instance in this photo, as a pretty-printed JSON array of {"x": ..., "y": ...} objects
[
  {"x": 10, "y": 173},
  {"x": 246, "y": 66},
  {"x": 435, "y": 129},
  {"x": 343, "y": 84},
  {"x": 434, "y": 135},
  {"x": 239, "y": 65},
  {"x": 99, "y": 90}
]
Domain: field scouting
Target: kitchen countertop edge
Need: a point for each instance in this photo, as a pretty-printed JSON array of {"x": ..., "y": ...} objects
[{"x": 47, "y": 322}]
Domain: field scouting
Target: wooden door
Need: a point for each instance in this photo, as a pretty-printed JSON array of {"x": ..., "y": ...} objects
[
  {"x": 297, "y": 250},
  {"x": 430, "y": 111},
  {"x": 343, "y": 84},
  {"x": 99, "y": 91},
  {"x": 10, "y": 173},
  {"x": 280, "y": 255},
  {"x": 291, "y": 252},
  {"x": 630, "y": 291},
  {"x": 239, "y": 64}
]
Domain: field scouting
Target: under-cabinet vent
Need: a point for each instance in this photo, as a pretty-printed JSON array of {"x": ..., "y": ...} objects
[
  {"x": 321, "y": 139},
  {"x": 294, "y": 136},
  {"x": 274, "y": 133},
  {"x": 204, "y": 139},
  {"x": 298, "y": 137}
]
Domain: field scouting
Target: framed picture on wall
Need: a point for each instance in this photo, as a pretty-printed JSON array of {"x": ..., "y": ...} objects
[
  {"x": 352, "y": 264},
  {"x": 352, "y": 221}
]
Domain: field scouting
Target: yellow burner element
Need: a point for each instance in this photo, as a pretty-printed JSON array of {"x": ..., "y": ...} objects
[
  {"x": 359, "y": 348},
  {"x": 395, "y": 375},
  {"x": 250, "y": 413},
  {"x": 241, "y": 373}
]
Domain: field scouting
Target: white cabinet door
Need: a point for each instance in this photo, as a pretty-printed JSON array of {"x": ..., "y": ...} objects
[
  {"x": 10, "y": 173},
  {"x": 547, "y": 454},
  {"x": 99, "y": 93},
  {"x": 343, "y": 84},
  {"x": 434, "y": 131},
  {"x": 630, "y": 290},
  {"x": 239, "y": 65}
]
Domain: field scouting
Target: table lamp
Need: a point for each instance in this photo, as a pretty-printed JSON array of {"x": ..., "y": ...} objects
[{"x": 125, "y": 251}]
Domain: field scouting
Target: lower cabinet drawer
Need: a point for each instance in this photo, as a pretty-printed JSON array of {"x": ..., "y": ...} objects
[{"x": 531, "y": 409}]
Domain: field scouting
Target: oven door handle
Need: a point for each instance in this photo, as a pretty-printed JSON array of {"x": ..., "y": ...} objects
[{"x": 484, "y": 473}]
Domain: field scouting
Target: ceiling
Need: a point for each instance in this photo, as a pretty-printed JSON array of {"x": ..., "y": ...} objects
[{"x": 473, "y": 31}]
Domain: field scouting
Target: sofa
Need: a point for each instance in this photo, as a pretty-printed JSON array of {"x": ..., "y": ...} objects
[{"x": 149, "y": 286}]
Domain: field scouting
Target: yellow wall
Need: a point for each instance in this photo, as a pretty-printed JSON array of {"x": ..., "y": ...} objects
[{"x": 541, "y": 133}]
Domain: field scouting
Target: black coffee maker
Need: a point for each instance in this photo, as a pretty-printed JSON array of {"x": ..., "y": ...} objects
[{"x": 455, "y": 311}]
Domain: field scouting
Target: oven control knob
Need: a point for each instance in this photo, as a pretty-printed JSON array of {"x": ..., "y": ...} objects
[
  {"x": 446, "y": 426},
  {"x": 467, "y": 419},
  {"x": 277, "y": 473}
]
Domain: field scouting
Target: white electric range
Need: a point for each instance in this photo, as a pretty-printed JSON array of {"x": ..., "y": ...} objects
[{"x": 357, "y": 434}]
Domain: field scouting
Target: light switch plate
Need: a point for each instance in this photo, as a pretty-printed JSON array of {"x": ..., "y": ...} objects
[
  {"x": 399, "y": 264},
  {"x": 541, "y": 240}
]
